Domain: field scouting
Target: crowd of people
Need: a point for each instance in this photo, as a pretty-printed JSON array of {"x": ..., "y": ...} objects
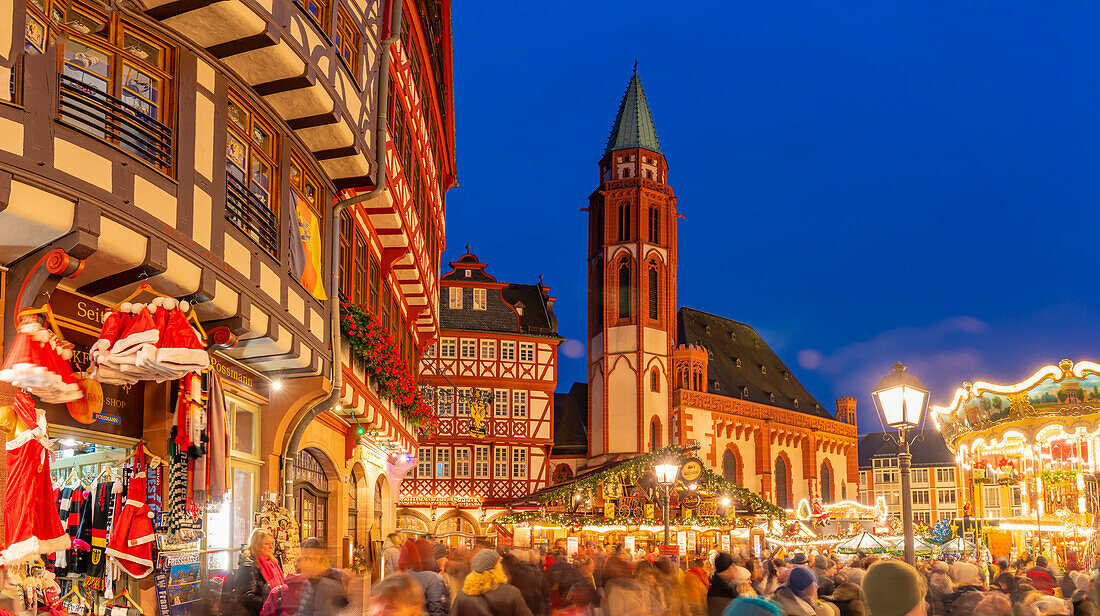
[
  {"x": 422, "y": 576},
  {"x": 426, "y": 577}
]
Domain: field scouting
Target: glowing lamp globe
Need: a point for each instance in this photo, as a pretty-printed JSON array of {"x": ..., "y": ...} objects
[
  {"x": 666, "y": 472},
  {"x": 900, "y": 398}
]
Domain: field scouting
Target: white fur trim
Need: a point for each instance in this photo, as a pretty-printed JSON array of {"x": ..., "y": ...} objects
[
  {"x": 130, "y": 558},
  {"x": 184, "y": 306},
  {"x": 125, "y": 343},
  {"x": 117, "y": 488},
  {"x": 32, "y": 547},
  {"x": 135, "y": 503},
  {"x": 141, "y": 540},
  {"x": 125, "y": 307},
  {"x": 170, "y": 303},
  {"x": 184, "y": 357},
  {"x": 41, "y": 335}
]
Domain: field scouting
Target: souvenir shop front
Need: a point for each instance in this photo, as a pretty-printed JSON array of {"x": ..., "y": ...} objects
[{"x": 152, "y": 443}]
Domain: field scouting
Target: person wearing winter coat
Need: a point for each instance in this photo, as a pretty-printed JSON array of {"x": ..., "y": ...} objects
[
  {"x": 257, "y": 574},
  {"x": 939, "y": 584},
  {"x": 283, "y": 600},
  {"x": 721, "y": 591},
  {"x": 696, "y": 585},
  {"x": 894, "y": 588},
  {"x": 825, "y": 584},
  {"x": 968, "y": 590},
  {"x": 798, "y": 596},
  {"x": 425, "y": 570},
  {"x": 523, "y": 572},
  {"x": 848, "y": 599},
  {"x": 486, "y": 591},
  {"x": 1041, "y": 577}
]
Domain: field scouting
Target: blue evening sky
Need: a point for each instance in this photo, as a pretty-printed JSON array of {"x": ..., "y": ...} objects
[{"x": 862, "y": 182}]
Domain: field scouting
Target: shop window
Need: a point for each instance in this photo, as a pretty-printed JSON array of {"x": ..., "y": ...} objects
[
  {"x": 311, "y": 495},
  {"x": 244, "y": 417},
  {"x": 348, "y": 41},
  {"x": 411, "y": 523},
  {"x": 116, "y": 78},
  {"x": 251, "y": 150}
]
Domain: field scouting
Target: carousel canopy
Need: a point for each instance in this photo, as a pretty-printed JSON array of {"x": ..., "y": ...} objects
[
  {"x": 958, "y": 545},
  {"x": 920, "y": 546},
  {"x": 864, "y": 542}
]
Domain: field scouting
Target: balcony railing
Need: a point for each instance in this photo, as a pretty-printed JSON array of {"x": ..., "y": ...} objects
[
  {"x": 115, "y": 121},
  {"x": 250, "y": 214}
]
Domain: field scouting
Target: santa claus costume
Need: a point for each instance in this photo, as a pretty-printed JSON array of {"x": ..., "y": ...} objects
[
  {"x": 31, "y": 524},
  {"x": 131, "y": 544}
]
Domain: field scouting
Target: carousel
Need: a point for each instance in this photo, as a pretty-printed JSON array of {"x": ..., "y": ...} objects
[{"x": 1027, "y": 454}]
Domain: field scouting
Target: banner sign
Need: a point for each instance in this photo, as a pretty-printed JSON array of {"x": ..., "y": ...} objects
[{"x": 184, "y": 586}]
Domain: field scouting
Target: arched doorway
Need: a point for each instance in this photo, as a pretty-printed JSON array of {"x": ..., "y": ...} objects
[
  {"x": 311, "y": 491},
  {"x": 409, "y": 522},
  {"x": 782, "y": 483},
  {"x": 729, "y": 466},
  {"x": 456, "y": 530},
  {"x": 826, "y": 483}
]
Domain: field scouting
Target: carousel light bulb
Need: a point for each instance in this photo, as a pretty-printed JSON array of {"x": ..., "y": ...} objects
[{"x": 725, "y": 501}]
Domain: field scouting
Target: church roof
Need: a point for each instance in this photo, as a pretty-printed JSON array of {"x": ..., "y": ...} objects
[
  {"x": 634, "y": 124},
  {"x": 742, "y": 365}
]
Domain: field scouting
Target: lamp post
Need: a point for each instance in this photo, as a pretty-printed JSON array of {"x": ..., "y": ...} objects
[
  {"x": 900, "y": 399},
  {"x": 666, "y": 476}
]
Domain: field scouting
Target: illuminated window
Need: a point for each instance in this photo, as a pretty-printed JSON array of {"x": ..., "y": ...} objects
[
  {"x": 519, "y": 404},
  {"x": 479, "y": 299},
  {"x": 488, "y": 349},
  {"x": 508, "y": 351},
  {"x": 500, "y": 403},
  {"x": 443, "y": 462},
  {"x": 500, "y": 462},
  {"x": 251, "y": 152},
  {"x": 481, "y": 462},
  {"x": 348, "y": 41},
  {"x": 454, "y": 295},
  {"x": 519, "y": 463},
  {"x": 526, "y": 352},
  {"x": 462, "y": 462}
]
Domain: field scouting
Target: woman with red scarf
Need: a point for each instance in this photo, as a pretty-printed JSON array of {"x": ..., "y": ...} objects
[{"x": 258, "y": 573}]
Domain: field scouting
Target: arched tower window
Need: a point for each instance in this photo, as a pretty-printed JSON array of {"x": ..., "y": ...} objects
[
  {"x": 654, "y": 224},
  {"x": 782, "y": 483},
  {"x": 729, "y": 466},
  {"x": 826, "y": 483},
  {"x": 596, "y": 295},
  {"x": 624, "y": 290},
  {"x": 654, "y": 434},
  {"x": 654, "y": 380},
  {"x": 624, "y": 221},
  {"x": 653, "y": 291}
]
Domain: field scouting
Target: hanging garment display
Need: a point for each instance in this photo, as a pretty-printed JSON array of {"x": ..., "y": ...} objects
[
  {"x": 74, "y": 500},
  {"x": 218, "y": 431},
  {"x": 31, "y": 523},
  {"x": 39, "y": 362},
  {"x": 108, "y": 496},
  {"x": 147, "y": 342},
  {"x": 131, "y": 543}
]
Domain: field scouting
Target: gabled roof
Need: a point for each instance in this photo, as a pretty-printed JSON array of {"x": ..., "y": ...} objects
[
  {"x": 927, "y": 450},
  {"x": 571, "y": 421},
  {"x": 634, "y": 124},
  {"x": 742, "y": 365},
  {"x": 509, "y": 308}
]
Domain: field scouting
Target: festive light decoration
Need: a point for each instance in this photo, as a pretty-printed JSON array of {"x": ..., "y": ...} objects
[
  {"x": 843, "y": 510},
  {"x": 372, "y": 345},
  {"x": 632, "y": 470}
]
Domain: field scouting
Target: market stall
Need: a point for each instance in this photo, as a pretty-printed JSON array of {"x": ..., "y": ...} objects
[
  {"x": 1028, "y": 455},
  {"x": 623, "y": 503}
]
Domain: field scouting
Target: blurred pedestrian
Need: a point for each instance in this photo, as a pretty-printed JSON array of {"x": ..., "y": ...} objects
[
  {"x": 721, "y": 591},
  {"x": 798, "y": 597},
  {"x": 752, "y": 606},
  {"x": 395, "y": 595},
  {"x": 486, "y": 591},
  {"x": 392, "y": 554},
  {"x": 425, "y": 571},
  {"x": 326, "y": 592},
  {"x": 894, "y": 588}
]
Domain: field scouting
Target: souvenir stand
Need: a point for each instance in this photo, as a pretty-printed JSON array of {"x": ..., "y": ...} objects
[
  {"x": 621, "y": 503},
  {"x": 110, "y": 516},
  {"x": 1027, "y": 455}
]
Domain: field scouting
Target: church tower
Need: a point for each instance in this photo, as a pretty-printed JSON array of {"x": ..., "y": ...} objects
[{"x": 632, "y": 287}]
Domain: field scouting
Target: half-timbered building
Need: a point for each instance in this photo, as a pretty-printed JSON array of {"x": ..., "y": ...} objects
[{"x": 492, "y": 373}]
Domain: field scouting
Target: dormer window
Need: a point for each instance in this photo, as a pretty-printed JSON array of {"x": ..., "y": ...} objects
[
  {"x": 737, "y": 362},
  {"x": 468, "y": 273},
  {"x": 745, "y": 392},
  {"x": 763, "y": 369},
  {"x": 786, "y": 376},
  {"x": 795, "y": 402},
  {"x": 714, "y": 386},
  {"x": 519, "y": 309},
  {"x": 454, "y": 295}
]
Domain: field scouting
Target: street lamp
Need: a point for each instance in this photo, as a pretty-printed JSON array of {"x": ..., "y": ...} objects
[
  {"x": 666, "y": 476},
  {"x": 900, "y": 399}
]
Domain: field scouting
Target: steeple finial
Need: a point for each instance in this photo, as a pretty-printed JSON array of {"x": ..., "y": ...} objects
[
  {"x": 467, "y": 247},
  {"x": 635, "y": 66}
]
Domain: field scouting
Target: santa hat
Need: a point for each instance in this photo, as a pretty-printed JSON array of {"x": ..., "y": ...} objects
[
  {"x": 180, "y": 346},
  {"x": 26, "y": 363},
  {"x": 59, "y": 355},
  {"x": 140, "y": 330}
]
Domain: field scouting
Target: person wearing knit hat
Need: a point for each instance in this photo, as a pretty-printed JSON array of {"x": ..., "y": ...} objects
[
  {"x": 894, "y": 588},
  {"x": 968, "y": 589},
  {"x": 752, "y": 606},
  {"x": 486, "y": 590},
  {"x": 798, "y": 596},
  {"x": 721, "y": 591},
  {"x": 425, "y": 571}
]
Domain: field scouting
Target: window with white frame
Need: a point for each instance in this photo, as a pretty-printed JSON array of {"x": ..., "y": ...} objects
[
  {"x": 500, "y": 462},
  {"x": 863, "y": 479},
  {"x": 944, "y": 497},
  {"x": 500, "y": 403},
  {"x": 469, "y": 349},
  {"x": 508, "y": 351},
  {"x": 1016, "y": 505},
  {"x": 488, "y": 349},
  {"x": 920, "y": 497},
  {"x": 479, "y": 299},
  {"x": 481, "y": 462},
  {"x": 463, "y": 405},
  {"x": 947, "y": 515},
  {"x": 462, "y": 462},
  {"x": 992, "y": 499},
  {"x": 945, "y": 475},
  {"x": 443, "y": 462},
  {"x": 430, "y": 351},
  {"x": 424, "y": 462},
  {"x": 519, "y": 404},
  {"x": 445, "y": 401},
  {"x": 448, "y": 348},
  {"x": 519, "y": 463},
  {"x": 920, "y": 475},
  {"x": 454, "y": 296},
  {"x": 526, "y": 352},
  {"x": 923, "y": 517}
]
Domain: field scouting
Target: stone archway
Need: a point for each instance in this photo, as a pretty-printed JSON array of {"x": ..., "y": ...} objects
[{"x": 319, "y": 499}]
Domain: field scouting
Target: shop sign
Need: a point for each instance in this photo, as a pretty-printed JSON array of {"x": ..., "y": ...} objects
[
  {"x": 630, "y": 507},
  {"x": 691, "y": 470},
  {"x": 650, "y": 511},
  {"x": 691, "y": 501},
  {"x": 110, "y": 409},
  {"x": 236, "y": 374},
  {"x": 691, "y": 543},
  {"x": 572, "y": 545},
  {"x": 681, "y": 542},
  {"x": 725, "y": 542},
  {"x": 439, "y": 501},
  {"x": 668, "y": 550},
  {"x": 628, "y": 541},
  {"x": 522, "y": 537}
]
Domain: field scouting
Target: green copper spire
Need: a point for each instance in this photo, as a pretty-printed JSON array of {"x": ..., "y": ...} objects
[{"x": 634, "y": 124}]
